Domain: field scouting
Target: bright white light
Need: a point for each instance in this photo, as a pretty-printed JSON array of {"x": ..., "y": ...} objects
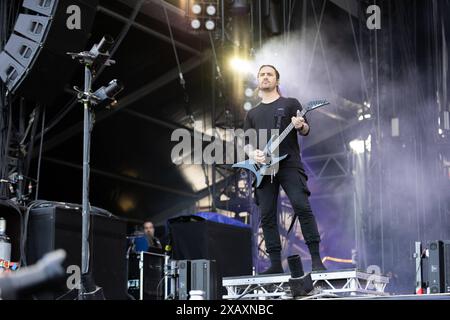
[
  {"x": 211, "y": 10},
  {"x": 366, "y": 116},
  {"x": 210, "y": 25},
  {"x": 248, "y": 92},
  {"x": 243, "y": 214},
  {"x": 367, "y": 104},
  {"x": 241, "y": 65},
  {"x": 196, "y": 8},
  {"x": 357, "y": 145},
  {"x": 195, "y": 24},
  {"x": 247, "y": 106}
]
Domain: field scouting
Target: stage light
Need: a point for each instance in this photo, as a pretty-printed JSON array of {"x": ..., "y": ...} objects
[
  {"x": 196, "y": 8},
  {"x": 365, "y": 116},
  {"x": 249, "y": 92},
  {"x": 357, "y": 145},
  {"x": 240, "y": 65},
  {"x": 248, "y": 106},
  {"x": 211, "y": 10},
  {"x": 210, "y": 25},
  {"x": 195, "y": 24},
  {"x": 105, "y": 95}
]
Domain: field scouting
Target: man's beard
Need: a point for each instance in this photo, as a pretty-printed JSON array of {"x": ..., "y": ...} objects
[{"x": 267, "y": 89}]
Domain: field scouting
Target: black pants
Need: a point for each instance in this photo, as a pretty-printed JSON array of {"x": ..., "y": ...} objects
[{"x": 294, "y": 184}]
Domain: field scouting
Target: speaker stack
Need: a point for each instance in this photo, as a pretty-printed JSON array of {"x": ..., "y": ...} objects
[{"x": 34, "y": 63}]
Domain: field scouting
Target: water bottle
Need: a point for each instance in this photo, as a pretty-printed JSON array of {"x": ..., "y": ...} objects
[{"x": 5, "y": 243}]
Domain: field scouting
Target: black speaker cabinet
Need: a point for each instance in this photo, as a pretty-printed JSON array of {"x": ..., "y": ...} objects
[
  {"x": 436, "y": 266},
  {"x": 229, "y": 246},
  {"x": 58, "y": 226}
]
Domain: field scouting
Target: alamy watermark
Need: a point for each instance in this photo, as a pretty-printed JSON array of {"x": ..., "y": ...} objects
[
  {"x": 190, "y": 147},
  {"x": 73, "y": 21},
  {"x": 374, "y": 20}
]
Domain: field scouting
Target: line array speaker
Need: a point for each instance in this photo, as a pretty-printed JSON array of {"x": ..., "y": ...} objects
[{"x": 34, "y": 63}]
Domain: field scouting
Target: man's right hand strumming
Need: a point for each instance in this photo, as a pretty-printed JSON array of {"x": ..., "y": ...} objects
[{"x": 259, "y": 156}]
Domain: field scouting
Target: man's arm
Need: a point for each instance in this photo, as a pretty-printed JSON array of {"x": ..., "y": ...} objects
[{"x": 304, "y": 129}]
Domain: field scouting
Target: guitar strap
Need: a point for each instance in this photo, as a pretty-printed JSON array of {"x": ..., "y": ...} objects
[
  {"x": 292, "y": 223},
  {"x": 279, "y": 114}
]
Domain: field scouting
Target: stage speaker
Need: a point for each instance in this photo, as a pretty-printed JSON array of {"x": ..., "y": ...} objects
[
  {"x": 446, "y": 253},
  {"x": 230, "y": 246},
  {"x": 58, "y": 226},
  {"x": 184, "y": 279},
  {"x": 204, "y": 278},
  {"x": 34, "y": 63},
  {"x": 436, "y": 266}
]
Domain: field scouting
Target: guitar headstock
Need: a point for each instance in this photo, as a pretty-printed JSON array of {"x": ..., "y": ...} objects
[{"x": 316, "y": 104}]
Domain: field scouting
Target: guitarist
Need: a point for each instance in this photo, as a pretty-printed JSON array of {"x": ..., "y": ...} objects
[{"x": 276, "y": 112}]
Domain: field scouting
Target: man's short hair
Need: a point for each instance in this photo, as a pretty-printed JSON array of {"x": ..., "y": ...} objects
[{"x": 147, "y": 221}]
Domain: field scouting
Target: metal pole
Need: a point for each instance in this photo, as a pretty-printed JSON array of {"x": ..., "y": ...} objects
[{"x": 85, "y": 233}]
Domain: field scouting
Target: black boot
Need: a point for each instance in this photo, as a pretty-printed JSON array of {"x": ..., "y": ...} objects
[
  {"x": 317, "y": 264},
  {"x": 275, "y": 264}
]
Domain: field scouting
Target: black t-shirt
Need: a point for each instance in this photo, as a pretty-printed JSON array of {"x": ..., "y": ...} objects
[{"x": 265, "y": 117}]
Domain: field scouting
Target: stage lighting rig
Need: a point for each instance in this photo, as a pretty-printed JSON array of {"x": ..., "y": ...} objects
[
  {"x": 104, "y": 96},
  {"x": 203, "y": 15}
]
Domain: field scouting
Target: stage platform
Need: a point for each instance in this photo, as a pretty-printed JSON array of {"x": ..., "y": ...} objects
[{"x": 330, "y": 284}]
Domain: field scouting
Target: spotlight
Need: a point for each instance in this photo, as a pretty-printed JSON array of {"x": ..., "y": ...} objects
[
  {"x": 247, "y": 106},
  {"x": 358, "y": 147},
  {"x": 210, "y": 25},
  {"x": 249, "y": 92},
  {"x": 103, "y": 46},
  {"x": 195, "y": 24},
  {"x": 104, "y": 96},
  {"x": 196, "y": 8},
  {"x": 211, "y": 10},
  {"x": 99, "y": 53},
  {"x": 240, "y": 65}
]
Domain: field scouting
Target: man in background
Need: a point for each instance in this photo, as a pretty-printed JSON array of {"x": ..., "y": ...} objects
[{"x": 149, "y": 230}]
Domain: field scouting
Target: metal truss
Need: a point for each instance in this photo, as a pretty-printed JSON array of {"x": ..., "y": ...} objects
[{"x": 339, "y": 283}]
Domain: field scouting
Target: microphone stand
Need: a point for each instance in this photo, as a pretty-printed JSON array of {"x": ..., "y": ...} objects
[{"x": 90, "y": 59}]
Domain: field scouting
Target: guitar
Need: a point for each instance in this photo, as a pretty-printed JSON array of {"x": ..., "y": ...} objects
[{"x": 259, "y": 169}]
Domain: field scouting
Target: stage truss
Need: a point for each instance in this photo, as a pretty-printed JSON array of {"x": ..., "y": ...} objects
[{"x": 341, "y": 283}]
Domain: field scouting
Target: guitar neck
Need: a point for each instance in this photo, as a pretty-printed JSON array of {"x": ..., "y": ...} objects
[{"x": 284, "y": 134}]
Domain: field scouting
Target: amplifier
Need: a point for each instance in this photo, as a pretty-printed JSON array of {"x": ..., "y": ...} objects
[
  {"x": 198, "y": 274},
  {"x": 204, "y": 278},
  {"x": 437, "y": 266},
  {"x": 184, "y": 279}
]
